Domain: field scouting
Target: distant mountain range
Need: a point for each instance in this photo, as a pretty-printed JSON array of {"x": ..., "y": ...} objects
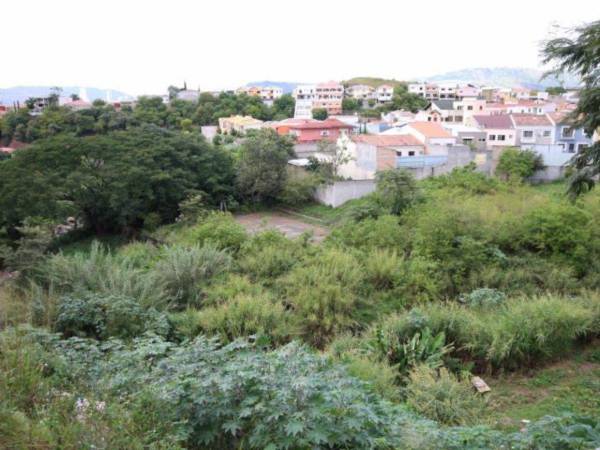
[
  {"x": 504, "y": 77},
  {"x": 22, "y": 93}
]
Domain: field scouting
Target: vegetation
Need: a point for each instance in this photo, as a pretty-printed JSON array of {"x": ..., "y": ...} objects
[
  {"x": 518, "y": 164},
  {"x": 578, "y": 54},
  {"x": 186, "y": 330}
]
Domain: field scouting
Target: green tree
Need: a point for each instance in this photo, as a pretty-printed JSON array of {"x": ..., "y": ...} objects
[
  {"x": 518, "y": 164},
  {"x": 578, "y": 54},
  {"x": 351, "y": 104},
  {"x": 320, "y": 113},
  {"x": 396, "y": 189},
  {"x": 262, "y": 168},
  {"x": 113, "y": 181}
]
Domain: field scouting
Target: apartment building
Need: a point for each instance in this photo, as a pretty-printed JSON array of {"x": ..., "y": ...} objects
[
  {"x": 239, "y": 124},
  {"x": 361, "y": 92},
  {"x": 268, "y": 94},
  {"x": 323, "y": 95},
  {"x": 384, "y": 93}
]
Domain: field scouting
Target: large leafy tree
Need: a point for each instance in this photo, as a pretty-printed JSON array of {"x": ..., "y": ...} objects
[
  {"x": 579, "y": 53},
  {"x": 262, "y": 167},
  {"x": 113, "y": 181}
]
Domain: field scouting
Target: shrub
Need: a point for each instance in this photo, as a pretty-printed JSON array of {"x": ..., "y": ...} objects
[
  {"x": 465, "y": 179},
  {"x": 298, "y": 189},
  {"x": 219, "y": 229},
  {"x": 523, "y": 332},
  {"x": 422, "y": 348},
  {"x": 396, "y": 190},
  {"x": 101, "y": 317},
  {"x": 383, "y": 232},
  {"x": 322, "y": 294},
  {"x": 269, "y": 262},
  {"x": 183, "y": 272},
  {"x": 101, "y": 272},
  {"x": 244, "y": 316},
  {"x": 484, "y": 297},
  {"x": 381, "y": 268},
  {"x": 518, "y": 164},
  {"x": 441, "y": 396}
]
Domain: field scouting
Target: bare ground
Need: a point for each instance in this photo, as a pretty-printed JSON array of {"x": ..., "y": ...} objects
[{"x": 286, "y": 224}]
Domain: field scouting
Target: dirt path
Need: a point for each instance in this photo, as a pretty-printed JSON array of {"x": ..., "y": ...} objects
[{"x": 288, "y": 225}]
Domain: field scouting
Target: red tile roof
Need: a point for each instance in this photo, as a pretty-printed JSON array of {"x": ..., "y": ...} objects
[
  {"x": 430, "y": 129},
  {"x": 382, "y": 140},
  {"x": 308, "y": 124},
  {"x": 496, "y": 122}
]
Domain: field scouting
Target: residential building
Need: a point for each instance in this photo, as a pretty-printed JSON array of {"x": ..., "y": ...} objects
[
  {"x": 440, "y": 110},
  {"x": 189, "y": 95},
  {"x": 533, "y": 129},
  {"x": 384, "y": 93},
  {"x": 568, "y": 138},
  {"x": 395, "y": 118},
  {"x": 323, "y": 95},
  {"x": 468, "y": 91},
  {"x": 473, "y": 137},
  {"x": 313, "y": 131},
  {"x": 361, "y": 92},
  {"x": 268, "y": 94},
  {"x": 77, "y": 105},
  {"x": 304, "y": 96},
  {"x": 370, "y": 154},
  {"x": 239, "y": 124},
  {"x": 432, "y": 135},
  {"x": 499, "y": 130}
]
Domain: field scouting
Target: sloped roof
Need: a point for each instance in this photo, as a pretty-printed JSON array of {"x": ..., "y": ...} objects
[
  {"x": 444, "y": 104},
  {"x": 430, "y": 129},
  {"x": 387, "y": 140},
  {"x": 308, "y": 124},
  {"x": 531, "y": 120},
  {"x": 495, "y": 122}
]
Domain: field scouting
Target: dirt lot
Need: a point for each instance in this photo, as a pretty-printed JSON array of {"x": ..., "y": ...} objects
[{"x": 287, "y": 224}]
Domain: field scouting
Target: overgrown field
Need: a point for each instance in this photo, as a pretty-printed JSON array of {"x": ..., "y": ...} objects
[{"x": 204, "y": 336}]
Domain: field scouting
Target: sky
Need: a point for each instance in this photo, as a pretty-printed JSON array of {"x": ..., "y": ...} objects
[{"x": 141, "y": 47}]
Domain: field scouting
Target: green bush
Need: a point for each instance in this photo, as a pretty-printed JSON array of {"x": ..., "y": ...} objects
[
  {"x": 521, "y": 333},
  {"x": 268, "y": 257},
  {"x": 183, "y": 272},
  {"x": 484, "y": 297},
  {"x": 242, "y": 316},
  {"x": 298, "y": 189},
  {"x": 442, "y": 396},
  {"x": 219, "y": 229},
  {"x": 383, "y": 232},
  {"x": 323, "y": 295},
  {"x": 515, "y": 163},
  {"x": 396, "y": 190},
  {"x": 101, "y": 317},
  {"x": 101, "y": 272}
]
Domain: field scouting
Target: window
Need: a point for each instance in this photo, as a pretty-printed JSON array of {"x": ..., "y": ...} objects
[
  {"x": 398, "y": 153},
  {"x": 567, "y": 132},
  {"x": 547, "y": 133},
  {"x": 470, "y": 107},
  {"x": 571, "y": 148},
  {"x": 527, "y": 134},
  {"x": 582, "y": 146},
  {"x": 325, "y": 133},
  {"x": 492, "y": 137},
  {"x": 501, "y": 137},
  {"x": 459, "y": 107},
  {"x": 411, "y": 153}
]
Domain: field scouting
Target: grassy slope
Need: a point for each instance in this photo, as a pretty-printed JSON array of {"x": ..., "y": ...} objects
[
  {"x": 571, "y": 385},
  {"x": 373, "y": 81}
]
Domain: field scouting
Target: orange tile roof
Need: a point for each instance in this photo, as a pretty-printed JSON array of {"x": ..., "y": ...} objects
[
  {"x": 382, "y": 140},
  {"x": 430, "y": 129}
]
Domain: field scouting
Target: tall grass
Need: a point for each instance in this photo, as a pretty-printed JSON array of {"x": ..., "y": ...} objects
[
  {"x": 521, "y": 333},
  {"x": 102, "y": 272}
]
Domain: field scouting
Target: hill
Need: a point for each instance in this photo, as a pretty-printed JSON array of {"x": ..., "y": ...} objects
[
  {"x": 373, "y": 81},
  {"x": 22, "y": 93},
  {"x": 503, "y": 76}
]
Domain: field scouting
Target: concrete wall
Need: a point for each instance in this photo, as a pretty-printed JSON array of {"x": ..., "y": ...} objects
[{"x": 340, "y": 192}]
